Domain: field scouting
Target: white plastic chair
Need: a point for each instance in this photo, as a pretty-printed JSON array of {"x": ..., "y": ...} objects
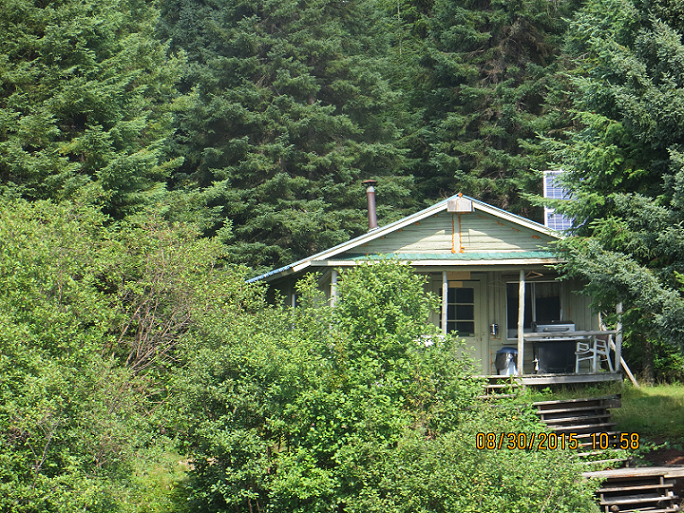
[{"x": 595, "y": 350}]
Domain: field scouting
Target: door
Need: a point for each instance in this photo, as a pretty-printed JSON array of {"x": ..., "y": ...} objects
[{"x": 466, "y": 318}]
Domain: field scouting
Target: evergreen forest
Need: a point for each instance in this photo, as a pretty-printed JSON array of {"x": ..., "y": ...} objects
[{"x": 156, "y": 154}]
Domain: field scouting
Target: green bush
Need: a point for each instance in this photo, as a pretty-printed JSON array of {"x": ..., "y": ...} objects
[
  {"x": 315, "y": 409},
  {"x": 90, "y": 318}
]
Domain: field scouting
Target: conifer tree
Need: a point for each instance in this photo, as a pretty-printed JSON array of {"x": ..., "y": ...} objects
[
  {"x": 286, "y": 115},
  {"x": 82, "y": 100},
  {"x": 484, "y": 74},
  {"x": 626, "y": 164}
]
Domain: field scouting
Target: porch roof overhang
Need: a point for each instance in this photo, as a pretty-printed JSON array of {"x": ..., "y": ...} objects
[{"x": 489, "y": 258}]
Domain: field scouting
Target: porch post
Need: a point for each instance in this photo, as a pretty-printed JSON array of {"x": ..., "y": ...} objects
[
  {"x": 445, "y": 293},
  {"x": 521, "y": 323},
  {"x": 333, "y": 288},
  {"x": 618, "y": 337}
]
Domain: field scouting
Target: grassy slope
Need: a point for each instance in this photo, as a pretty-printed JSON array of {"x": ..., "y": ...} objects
[{"x": 654, "y": 411}]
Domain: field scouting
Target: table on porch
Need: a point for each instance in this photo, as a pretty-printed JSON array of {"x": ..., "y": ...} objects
[{"x": 592, "y": 345}]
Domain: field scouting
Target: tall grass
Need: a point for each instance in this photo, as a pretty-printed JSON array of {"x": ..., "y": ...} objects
[{"x": 653, "y": 411}]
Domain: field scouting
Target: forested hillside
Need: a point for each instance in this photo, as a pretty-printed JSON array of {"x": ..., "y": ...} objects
[
  {"x": 154, "y": 155},
  {"x": 259, "y": 120}
]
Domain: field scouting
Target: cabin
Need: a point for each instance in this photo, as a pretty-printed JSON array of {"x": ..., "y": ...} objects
[{"x": 494, "y": 272}]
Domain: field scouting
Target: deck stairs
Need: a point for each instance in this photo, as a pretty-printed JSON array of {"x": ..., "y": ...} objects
[
  {"x": 500, "y": 387},
  {"x": 646, "y": 489},
  {"x": 586, "y": 419},
  {"x": 622, "y": 490}
]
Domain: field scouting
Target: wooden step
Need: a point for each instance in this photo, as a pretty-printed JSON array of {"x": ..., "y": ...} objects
[
  {"x": 548, "y": 422},
  {"x": 569, "y": 410},
  {"x": 613, "y": 400},
  {"x": 637, "y": 500},
  {"x": 581, "y": 436},
  {"x": 671, "y": 509},
  {"x": 595, "y": 428},
  {"x": 632, "y": 488},
  {"x": 585, "y": 439},
  {"x": 585, "y": 454},
  {"x": 639, "y": 473}
]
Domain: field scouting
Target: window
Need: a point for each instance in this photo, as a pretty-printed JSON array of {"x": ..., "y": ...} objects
[
  {"x": 542, "y": 305},
  {"x": 460, "y": 311}
]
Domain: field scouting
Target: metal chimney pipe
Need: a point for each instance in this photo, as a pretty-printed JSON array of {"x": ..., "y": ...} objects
[{"x": 370, "y": 194}]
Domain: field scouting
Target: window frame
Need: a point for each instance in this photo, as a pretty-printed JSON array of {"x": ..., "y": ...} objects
[{"x": 476, "y": 308}]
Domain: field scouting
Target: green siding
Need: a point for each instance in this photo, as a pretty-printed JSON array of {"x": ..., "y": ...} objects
[{"x": 480, "y": 232}]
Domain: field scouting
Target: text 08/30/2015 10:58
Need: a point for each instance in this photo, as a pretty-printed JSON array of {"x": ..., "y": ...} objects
[{"x": 555, "y": 441}]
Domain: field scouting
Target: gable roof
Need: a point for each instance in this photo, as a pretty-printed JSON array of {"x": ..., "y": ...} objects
[{"x": 344, "y": 254}]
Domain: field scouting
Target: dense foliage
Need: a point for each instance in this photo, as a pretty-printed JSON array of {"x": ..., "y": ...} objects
[
  {"x": 625, "y": 166},
  {"x": 84, "y": 102},
  {"x": 90, "y": 318},
  {"x": 485, "y": 80},
  {"x": 353, "y": 409},
  {"x": 286, "y": 113},
  {"x": 147, "y": 148},
  {"x": 115, "y": 338}
]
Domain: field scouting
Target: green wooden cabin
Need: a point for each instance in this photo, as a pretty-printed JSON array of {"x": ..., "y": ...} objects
[{"x": 474, "y": 256}]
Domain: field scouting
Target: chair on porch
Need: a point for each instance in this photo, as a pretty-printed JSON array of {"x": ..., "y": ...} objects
[{"x": 595, "y": 350}]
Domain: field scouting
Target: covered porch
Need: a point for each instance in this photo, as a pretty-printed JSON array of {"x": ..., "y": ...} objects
[
  {"x": 494, "y": 274},
  {"x": 558, "y": 341},
  {"x": 544, "y": 325},
  {"x": 522, "y": 309}
]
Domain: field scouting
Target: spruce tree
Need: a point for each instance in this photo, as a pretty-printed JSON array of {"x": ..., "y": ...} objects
[
  {"x": 485, "y": 71},
  {"x": 286, "y": 115},
  {"x": 83, "y": 99},
  {"x": 625, "y": 165}
]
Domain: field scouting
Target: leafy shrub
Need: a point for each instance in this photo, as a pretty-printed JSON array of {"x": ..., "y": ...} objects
[
  {"x": 90, "y": 318},
  {"x": 313, "y": 409}
]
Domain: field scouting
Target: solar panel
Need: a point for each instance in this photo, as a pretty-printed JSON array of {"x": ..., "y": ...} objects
[
  {"x": 557, "y": 222},
  {"x": 554, "y": 190}
]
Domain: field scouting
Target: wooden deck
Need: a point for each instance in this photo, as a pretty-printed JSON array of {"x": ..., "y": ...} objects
[{"x": 556, "y": 379}]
